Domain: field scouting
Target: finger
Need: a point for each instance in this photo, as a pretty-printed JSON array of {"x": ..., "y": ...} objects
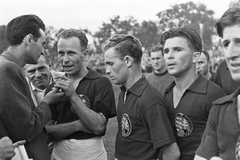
[
  {"x": 64, "y": 78},
  {"x": 18, "y": 143},
  {"x": 6, "y": 138}
]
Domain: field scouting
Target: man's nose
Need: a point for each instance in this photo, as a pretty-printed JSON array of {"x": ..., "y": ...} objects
[{"x": 38, "y": 74}]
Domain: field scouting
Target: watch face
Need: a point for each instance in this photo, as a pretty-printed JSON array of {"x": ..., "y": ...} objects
[{"x": 183, "y": 124}]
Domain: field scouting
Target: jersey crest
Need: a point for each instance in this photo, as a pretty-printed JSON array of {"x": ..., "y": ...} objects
[
  {"x": 183, "y": 124},
  {"x": 126, "y": 125},
  {"x": 85, "y": 101}
]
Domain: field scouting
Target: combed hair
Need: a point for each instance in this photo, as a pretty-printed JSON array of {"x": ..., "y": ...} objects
[
  {"x": 206, "y": 54},
  {"x": 193, "y": 38},
  {"x": 125, "y": 45},
  {"x": 80, "y": 34},
  {"x": 21, "y": 26},
  {"x": 229, "y": 18},
  {"x": 156, "y": 49}
]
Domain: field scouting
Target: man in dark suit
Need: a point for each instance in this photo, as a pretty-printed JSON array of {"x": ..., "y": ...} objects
[{"x": 19, "y": 118}]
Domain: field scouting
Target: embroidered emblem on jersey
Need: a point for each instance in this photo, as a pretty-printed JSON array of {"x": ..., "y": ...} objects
[
  {"x": 183, "y": 124},
  {"x": 85, "y": 101},
  {"x": 237, "y": 149},
  {"x": 126, "y": 125}
]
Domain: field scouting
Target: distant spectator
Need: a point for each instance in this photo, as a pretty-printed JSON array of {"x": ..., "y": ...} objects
[
  {"x": 159, "y": 78},
  {"x": 204, "y": 66}
]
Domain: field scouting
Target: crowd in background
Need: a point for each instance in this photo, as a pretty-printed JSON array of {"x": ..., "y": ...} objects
[{"x": 96, "y": 61}]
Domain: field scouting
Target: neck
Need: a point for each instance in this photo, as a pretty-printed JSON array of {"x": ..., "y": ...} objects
[
  {"x": 209, "y": 74},
  {"x": 82, "y": 73},
  {"x": 133, "y": 77},
  {"x": 160, "y": 72},
  {"x": 17, "y": 52},
  {"x": 183, "y": 82}
]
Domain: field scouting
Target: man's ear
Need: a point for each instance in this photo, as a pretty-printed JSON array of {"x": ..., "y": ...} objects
[
  {"x": 85, "y": 53},
  {"x": 196, "y": 56},
  {"x": 28, "y": 39},
  {"x": 128, "y": 60}
]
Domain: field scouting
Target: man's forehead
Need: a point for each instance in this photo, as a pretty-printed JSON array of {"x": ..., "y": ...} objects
[
  {"x": 231, "y": 31},
  {"x": 175, "y": 42},
  {"x": 156, "y": 54}
]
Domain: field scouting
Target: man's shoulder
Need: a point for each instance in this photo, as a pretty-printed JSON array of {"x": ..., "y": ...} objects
[
  {"x": 212, "y": 87},
  {"x": 149, "y": 75}
]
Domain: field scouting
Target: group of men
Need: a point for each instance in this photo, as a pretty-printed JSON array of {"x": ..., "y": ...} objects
[{"x": 184, "y": 116}]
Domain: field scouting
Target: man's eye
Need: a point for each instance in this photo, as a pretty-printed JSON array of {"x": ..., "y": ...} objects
[
  {"x": 31, "y": 72},
  {"x": 109, "y": 63},
  {"x": 165, "y": 51},
  {"x": 60, "y": 53},
  {"x": 225, "y": 44}
]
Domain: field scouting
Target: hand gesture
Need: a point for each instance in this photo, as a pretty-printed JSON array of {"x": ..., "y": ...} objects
[
  {"x": 7, "y": 148},
  {"x": 53, "y": 96},
  {"x": 65, "y": 84}
]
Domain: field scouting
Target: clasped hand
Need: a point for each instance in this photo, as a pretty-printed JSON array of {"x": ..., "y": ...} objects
[{"x": 64, "y": 84}]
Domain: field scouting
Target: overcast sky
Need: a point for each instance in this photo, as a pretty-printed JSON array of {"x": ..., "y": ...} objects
[{"x": 92, "y": 13}]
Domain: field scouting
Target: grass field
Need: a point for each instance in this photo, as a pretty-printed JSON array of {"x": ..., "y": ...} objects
[{"x": 109, "y": 138}]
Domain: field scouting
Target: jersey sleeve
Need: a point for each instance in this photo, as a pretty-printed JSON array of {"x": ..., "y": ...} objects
[
  {"x": 159, "y": 125},
  {"x": 104, "y": 98}
]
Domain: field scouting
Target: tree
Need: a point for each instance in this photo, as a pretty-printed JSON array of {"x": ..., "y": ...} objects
[
  {"x": 51, "y": 47},
  {"x": 116, "y": 26},
  {"x": 148, "y": 35},
  {"x": 192, "y": 15},
  {"x": 3, "y": 42}
]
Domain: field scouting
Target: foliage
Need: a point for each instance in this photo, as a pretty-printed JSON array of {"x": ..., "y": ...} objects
[
  {"x": 51, "y": 47},
  {"x": 116, "y": 26},
  {"x": 192, "y": 15},
  {"x": 148, "y": 34},
  {"x": 189, "y": 14}
]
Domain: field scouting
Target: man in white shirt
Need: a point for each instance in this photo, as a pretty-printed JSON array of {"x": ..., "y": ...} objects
[{"x": 39, "y": 76}]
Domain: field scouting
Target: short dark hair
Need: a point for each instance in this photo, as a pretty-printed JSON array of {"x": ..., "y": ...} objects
[
  {"x": 125, "y": 45},
  {"x": 156, "y": 48},
  {"x": 80, "y": 34},
  {"x": 21, "y": 26},
  {"x": 193, "y": 38},
  {"x": 207, "y": 55},
  {"x": 229, "y": 18}
]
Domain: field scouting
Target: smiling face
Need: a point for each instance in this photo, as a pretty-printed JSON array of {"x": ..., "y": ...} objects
[
  {"x": 231, "y": 49},
  {"x": 39, "y": 74},
  {"x": 116, "y": 67},
  {"x": 178, "y": 56},
  {"x": 71, "y": 55}
]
